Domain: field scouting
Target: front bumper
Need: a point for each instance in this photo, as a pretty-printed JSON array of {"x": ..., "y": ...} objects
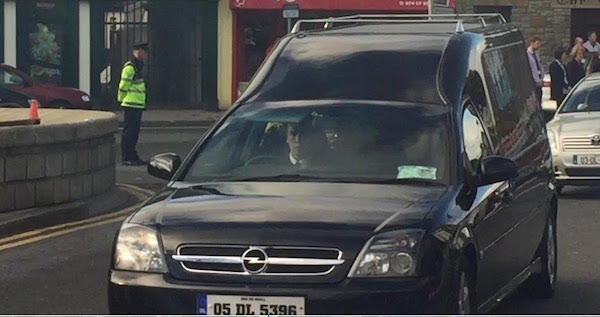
[
  {"x": 145, "y": 293},
  {"x": 567, "y": 173}
]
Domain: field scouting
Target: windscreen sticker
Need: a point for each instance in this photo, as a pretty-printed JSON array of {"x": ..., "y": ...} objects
[{"x": 415, "y": 171}]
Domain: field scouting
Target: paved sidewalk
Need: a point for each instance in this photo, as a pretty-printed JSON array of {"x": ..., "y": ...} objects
[{"x": 165, "y": 118}]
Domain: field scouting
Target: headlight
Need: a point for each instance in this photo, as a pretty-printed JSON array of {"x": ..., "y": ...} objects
[
  {"x": 85, "y": 98},
  {"x": 392, "y": 254},
  {"x": 552, "y": 140},
  {"x": 138, "y": 249}
]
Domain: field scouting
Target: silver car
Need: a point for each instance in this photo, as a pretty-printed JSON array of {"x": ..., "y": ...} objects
[{"x": 574, "y": 135}]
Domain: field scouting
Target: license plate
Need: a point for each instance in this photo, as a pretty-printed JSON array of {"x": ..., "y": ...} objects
[
  {"x": 586, "y": 159},
  {"x": 249, "y": 305}
]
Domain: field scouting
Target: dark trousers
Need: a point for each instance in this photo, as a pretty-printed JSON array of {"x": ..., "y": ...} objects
[
  {"x": 538, "y": 93},
  {"x": 131, "y": 132}
]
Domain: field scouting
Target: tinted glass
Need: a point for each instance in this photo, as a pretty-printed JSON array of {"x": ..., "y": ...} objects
[
  {"x": 10, "y": 78},
  {"x": 343, "y": 142},
  {"x": 585, "y": 98},
  {"x": 474, "y": 139},
  {"x": 373, "y": 67},
  {"x": 516, "y": 109}
]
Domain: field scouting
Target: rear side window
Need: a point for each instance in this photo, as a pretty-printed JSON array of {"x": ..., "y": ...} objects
[{"x": 516, "y": 109}]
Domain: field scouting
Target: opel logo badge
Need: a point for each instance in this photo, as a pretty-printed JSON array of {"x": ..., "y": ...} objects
[
  {"x": 254, "y": 260},
  {"x": 596, "y": 139}
]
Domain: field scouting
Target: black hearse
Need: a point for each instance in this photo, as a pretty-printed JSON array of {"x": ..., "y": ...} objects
[{"x": 375, "y": 165}]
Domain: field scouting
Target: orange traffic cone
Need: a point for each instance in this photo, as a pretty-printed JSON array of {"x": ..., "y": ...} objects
[{"x": 33, "y": 111}]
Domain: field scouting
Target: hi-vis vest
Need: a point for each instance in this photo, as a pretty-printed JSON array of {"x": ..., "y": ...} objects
[{"x": 132, "y": 90}]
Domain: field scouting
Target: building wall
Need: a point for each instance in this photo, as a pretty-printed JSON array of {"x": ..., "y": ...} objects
[
  {"x": 534, "y": 18},
  {"x": 225, "y": 55}
]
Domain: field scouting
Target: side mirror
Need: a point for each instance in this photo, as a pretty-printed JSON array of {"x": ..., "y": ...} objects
[
  {"x": 549, "y": 114},
  {"x": 496, "y": 169},
  {"x": 164, "y": 165}
]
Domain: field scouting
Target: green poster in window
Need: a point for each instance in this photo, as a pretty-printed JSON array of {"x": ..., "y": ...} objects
[{"x": 45, "y": 54}]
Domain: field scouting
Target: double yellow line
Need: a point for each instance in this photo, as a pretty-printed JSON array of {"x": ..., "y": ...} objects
[{"x": 66, "y": 228}]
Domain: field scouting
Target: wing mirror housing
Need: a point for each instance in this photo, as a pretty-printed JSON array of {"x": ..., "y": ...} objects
[
  {"x": 164, "y": 165},
  {"x": 548, "y": 114},
  {"x": 497, "y": 169}
]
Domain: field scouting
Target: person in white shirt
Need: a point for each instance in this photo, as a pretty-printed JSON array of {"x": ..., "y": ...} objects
[
  {"x": 535, "y": 65},
  {"x": 592, "y": 46}
]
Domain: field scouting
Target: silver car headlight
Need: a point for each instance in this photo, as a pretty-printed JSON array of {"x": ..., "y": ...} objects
[
  {"x": 392, "y": 254},
  {"x": 552, "y": 141},
  {"x": 138, "y": 249},
  {"x": 85, "y": 98}
]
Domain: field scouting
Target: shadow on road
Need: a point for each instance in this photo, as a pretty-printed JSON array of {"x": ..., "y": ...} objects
[
  {"x": 580, "y": 193},
  {"x": 572, "y": 297}
]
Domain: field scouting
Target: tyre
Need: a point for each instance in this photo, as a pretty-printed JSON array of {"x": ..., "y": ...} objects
[
  {"x": 542, "y": 285},
  {"x": 462, "y": 299},
  {"x": 60, "y": 104}
]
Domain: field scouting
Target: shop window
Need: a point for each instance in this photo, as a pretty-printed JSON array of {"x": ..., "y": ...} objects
[{"x": 47, "y": 41}]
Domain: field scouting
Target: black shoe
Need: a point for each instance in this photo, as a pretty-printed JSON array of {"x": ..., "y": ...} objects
[
  {"x": 134, "y": 163},
  {"x": 138, "y": 159}
]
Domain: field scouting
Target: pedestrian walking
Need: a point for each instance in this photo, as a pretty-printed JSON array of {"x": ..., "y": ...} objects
[
  {"x": 576, "y": 68},
  {"x": 132, "y": 96},
  {"x": 559, "y": 87},
  {"x": 576, "y": 46},
  {"x": 537, "y": 69},
  {"x": 592, "y": 46}
]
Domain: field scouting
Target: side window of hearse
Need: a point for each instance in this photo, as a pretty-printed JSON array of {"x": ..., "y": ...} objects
[{"x": 510, "y": 88}]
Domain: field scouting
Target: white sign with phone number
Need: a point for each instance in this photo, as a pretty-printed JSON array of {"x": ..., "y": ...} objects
[{"x": 408, "y": 3}]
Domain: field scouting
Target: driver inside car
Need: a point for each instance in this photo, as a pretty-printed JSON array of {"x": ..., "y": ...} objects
[{"x": 306, "y": 144}]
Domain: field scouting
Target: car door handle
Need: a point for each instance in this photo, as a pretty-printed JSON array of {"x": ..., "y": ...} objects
[
  {"x": 504, "y": 193},
  {"x": 507, "y": 197}
]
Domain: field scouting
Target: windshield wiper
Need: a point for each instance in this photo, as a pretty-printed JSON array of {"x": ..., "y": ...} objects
[
  {"x": 384, "y": 181},
  {"x": 359, "y": 180},
  {"x": 279, "y": 177}
]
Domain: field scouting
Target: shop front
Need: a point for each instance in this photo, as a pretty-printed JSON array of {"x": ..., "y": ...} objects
[
  {"x": 181, "y": 70},
  {"x": 258, "y": 24},
  {"x": 585, "y": 16},
  {"x": 47, "y": 41}
]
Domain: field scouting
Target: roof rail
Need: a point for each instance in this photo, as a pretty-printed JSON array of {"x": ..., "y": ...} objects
[
  {"x": 500, "y": 18},
  {"x": 458, "y": 19}
]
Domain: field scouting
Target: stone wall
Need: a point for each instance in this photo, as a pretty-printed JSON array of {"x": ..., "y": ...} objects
[
  {"x": 68, "y": 157},
  {"x": 534, "y": 18}
]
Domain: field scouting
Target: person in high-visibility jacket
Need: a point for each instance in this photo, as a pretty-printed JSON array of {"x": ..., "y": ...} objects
[{"x": 132, "y": 96}]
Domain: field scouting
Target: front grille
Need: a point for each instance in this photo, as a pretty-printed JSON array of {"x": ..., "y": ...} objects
[
  {"x": 283, "y": 261},
  {"x": 583, "y": 172},
  {"x": 579, "y": 143}
]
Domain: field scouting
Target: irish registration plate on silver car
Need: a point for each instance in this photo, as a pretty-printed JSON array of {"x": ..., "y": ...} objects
[
  {"x": 249, "y": 305},
  {"x": 586, "y": 159}
]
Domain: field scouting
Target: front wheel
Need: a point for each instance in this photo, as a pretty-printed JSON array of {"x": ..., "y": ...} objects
[
  {"x": 462, "y": 299},
  {"x": 542, "y": 285},
  {"x": 60, "y": 104}
]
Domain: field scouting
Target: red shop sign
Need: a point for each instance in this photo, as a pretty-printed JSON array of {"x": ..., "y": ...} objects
[{"x": 332, "y": 5}]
